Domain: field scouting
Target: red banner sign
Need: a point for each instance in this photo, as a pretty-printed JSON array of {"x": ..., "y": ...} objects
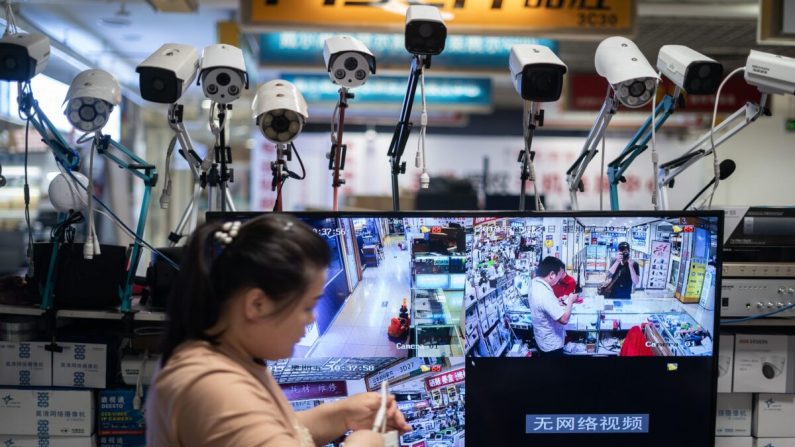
[{"x": 448, "y": 378}]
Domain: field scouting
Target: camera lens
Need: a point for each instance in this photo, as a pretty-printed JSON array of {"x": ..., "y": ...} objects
[
  {"x": 425, "y": 30},
  {"x": 212, "y": 89},
  {"x": 234, "y": 90},
  {"x": 280, "y": 123},
  {"x": 339, "y": 73},
  {"x": 158, "y": 84},
  {"x": 10, "y": 63},
  {"x": 360, "y": 75},
  {"x": 637, "y": 88},
  {"x": 704, "y": 71},
  {"x": 351, "y": 63},
  {"x": 87, "y": 113},
  {"x": 223, "y": 79},
  {"x": 542, "y": 82}
]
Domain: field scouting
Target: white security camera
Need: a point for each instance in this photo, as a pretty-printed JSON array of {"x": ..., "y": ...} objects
[
  {"x": 223, "y": 73},
  {"x": 280, "y": 111},
  {"x": 630, "y": 75},
  {"x": 425, "y": 30},
  {"x": 23, "y": 56},
  {"x": 91, "y": 98},
  {"x": 690, "y": 70},
  {"x": 168, "y": 72},
  {"x": 65, "y": 195},
  {"x": 537, "y": 72},
  {"x": 770, "y": 73},
  {"x": 348, "y": 61},
  {"x": 773, "y": 366}
]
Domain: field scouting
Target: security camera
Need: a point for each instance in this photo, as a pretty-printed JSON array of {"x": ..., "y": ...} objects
[
  {"x": 348, "y": 61},
  {"x": 425, "y": 30},
  {"x": 65, "y": 195},
  {"x": 773, "y": 366},
  {"x": 770, "y": 73},
  {"x": 692, "y": 71},
  {"x": 23, "y": 56},
  {"x": 630, "y": 75},
  {"x": 223, "y": 73},
  {"x": 91, "y": 98},
  {"x": 168, "y": 72},
  {"x": 537, "y": 72},
  {"x": 280, "y": 111}
]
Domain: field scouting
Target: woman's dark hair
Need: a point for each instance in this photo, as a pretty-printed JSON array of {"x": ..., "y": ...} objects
[
  {"x": 549, "y": 265},
  {"x": 275, "y": 252}
]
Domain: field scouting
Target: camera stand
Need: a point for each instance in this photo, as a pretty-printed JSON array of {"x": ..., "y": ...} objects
[
  {"x": 403, "y": 128},
  {"x": 280, "y": 172},
  {"x": 534, "y": 117},
  {"x": 216, "y": 179},
  {"x": 336, "y": 157}
]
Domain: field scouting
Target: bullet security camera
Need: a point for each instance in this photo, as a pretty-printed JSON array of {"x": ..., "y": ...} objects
[
  {"x": 223, "y": 73},
  {"x": 91, "y": 98},
  {"x": 630, "y": 75},
  {"x": 168, "y": 72},
  {"x": 770, "y": 73},
  {"x": 425, "y": 30},
  {"x": 348, "y": 61},
  {"x": 537, "y": 72},
  {"x": 690, "y": 70},
  {"x": 280, "y": 111},
  {"x": 23, "y": 56}
]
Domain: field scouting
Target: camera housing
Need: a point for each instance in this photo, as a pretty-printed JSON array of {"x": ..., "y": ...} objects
[
  {"x": 425, "y": 31},
  {"x": 23, "y": 56},
  {"x": 223, "y": 73},
  {"x": 632, "y": 78},
  {"x": 65, "y": 196},
  {"x": 537, "y": 72},
  {"x": 90, "y": 100},
  {"x": 168, "y": 72},
  {"x": 770, "y": 73},
  {"x": 280, "y": 111},
  {"x": 690, "y": 70},
  {"x": 349, "y": 62}
]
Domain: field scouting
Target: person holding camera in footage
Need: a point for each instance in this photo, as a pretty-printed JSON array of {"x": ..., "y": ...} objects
[
  {"x": 245, "y": 294},
  {"x": 624, "y": 273},
  {"x": 549, "y": 317}
]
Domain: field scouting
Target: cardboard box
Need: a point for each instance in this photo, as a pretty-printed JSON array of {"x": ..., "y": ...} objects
[
  {"x": 117, "y": 415},
  {"x": 734, "y": 442},
  {"x": 80, "y": 365},
  {"x": 763, "y": 363},
  {"x": 25, "y": 364},
  {"x": 734, "y": 414},
  {"x": 33, "y": 441},
  {"x": 775, "y": 442},
  {"x": 122, "y": 441},
  {"x": 46, "y": 412},
  {"x": 726, "y": 363},
  {"x": 774, "y": 416}
]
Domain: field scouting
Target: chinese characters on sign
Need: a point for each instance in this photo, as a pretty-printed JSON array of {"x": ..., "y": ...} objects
[
  {"x": 445, "y": 379},
  {"x": 586, "y": 423}
]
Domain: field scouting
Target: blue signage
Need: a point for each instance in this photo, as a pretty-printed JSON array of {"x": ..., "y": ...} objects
[
  {"x": 473, "y": 93},
  {"x": 556, "y": 424},
  {"x": 460, "y": 52}
]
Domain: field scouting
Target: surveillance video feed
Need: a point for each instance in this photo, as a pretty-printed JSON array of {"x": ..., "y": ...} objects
[{"x": 593, "y": 330}]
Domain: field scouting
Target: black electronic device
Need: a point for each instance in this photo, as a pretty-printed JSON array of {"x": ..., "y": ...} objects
[{"x": 161, "y": 276}]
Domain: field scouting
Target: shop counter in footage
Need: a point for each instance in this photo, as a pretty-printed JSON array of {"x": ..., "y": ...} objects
[{"x": 637, "y": 287}]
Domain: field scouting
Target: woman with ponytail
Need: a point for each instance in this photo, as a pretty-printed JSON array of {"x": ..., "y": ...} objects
[{"x": 244, "y": 295}]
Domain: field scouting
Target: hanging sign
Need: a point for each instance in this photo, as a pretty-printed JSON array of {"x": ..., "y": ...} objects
[{"x": 518, "y": 17}]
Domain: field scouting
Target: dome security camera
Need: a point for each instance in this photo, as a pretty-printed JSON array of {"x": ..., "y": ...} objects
[
  {"x": 425, "y": 32},
  {"x": 348, "y": 61},
  {"x": 770, "y": 73},
  {"x": 91, "y": 98},
  {"x": 537, "y": 72},
  {"x": 773, "y": 366},
  {"x": 630, "y": 75},
  {"x": 23, "y": 56},
  {"x": 223, "y": 73},
  {"x": 280, "y": 111},
  {"x": 65, "y": 195},
  {"x": 168, "y": 72},
  {"x": 690, "y": 70}
]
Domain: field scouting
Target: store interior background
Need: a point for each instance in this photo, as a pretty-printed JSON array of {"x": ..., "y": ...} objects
[{"x": 117, "y": 35}]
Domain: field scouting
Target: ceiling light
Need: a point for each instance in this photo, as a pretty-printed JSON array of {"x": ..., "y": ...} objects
[{"x": 174, "y": 5}]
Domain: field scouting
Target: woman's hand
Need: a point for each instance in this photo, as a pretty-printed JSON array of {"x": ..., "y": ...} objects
[
  {"x": 359, "y": 412},
  {"x": 365, "y": 438}
]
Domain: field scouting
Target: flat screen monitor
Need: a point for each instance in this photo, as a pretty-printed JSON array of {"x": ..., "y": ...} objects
[{"x": 463, "y": 294}]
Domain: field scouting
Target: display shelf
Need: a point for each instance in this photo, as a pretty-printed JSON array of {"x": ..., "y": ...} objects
[{"x": 138, "y": 313}]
